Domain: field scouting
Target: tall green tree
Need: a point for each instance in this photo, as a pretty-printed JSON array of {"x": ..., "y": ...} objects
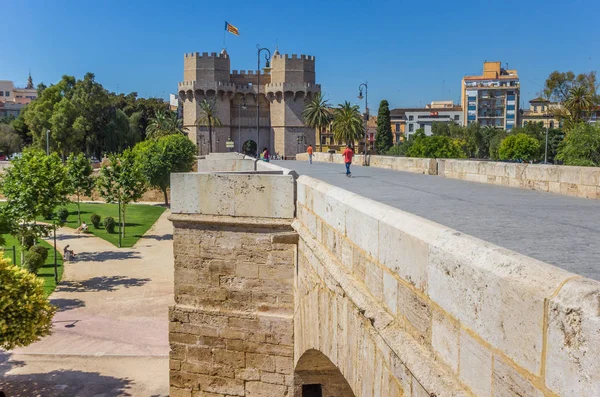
[
  {"x": 25, "y": 312},
  {"x": 10, "y": 141},
  {"x": 208, "y": 118},
  {"x": 437, "y": 146},
  {"x": 347, "y": 123},
  {"x": 519, "y": 147},
  {"x": 65, "y": 139},
  {"x": 33, "y": 186},
  {"x": 80, "y": 179},
  {"x": 317, "y": 114},
  {"x": 121, "y": 181},
  {"x": 384, "y": 138},
  {"x": 581, "y": 146},
  {"x": 159, "y": 158},
  {"x": 164, "y": 123}
]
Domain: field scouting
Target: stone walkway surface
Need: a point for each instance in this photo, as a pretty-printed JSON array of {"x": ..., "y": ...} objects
[
  {"x": 557, "y": 229},
  {"x": 110, "y": 334}
]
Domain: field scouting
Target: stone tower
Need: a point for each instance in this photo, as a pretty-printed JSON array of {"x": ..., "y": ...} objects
[{"x": 282, "y": 93}]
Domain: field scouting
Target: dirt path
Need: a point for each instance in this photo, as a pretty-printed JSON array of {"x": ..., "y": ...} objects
[{"x": 111, "y": 332}]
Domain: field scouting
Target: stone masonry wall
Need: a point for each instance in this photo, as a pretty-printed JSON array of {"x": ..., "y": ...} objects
[
  {"x": 382, "y": 292},
  {"x": 231, "y": 330}
]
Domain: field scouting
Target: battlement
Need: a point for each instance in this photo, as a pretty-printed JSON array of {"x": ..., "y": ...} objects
[
  {"x": 205, "y": 55},
  {"x": 241, "y": 73},
  {"x": 295, "y": 56}
]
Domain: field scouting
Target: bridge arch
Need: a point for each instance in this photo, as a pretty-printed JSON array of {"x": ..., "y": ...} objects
[{"x": 316, "y": 376}]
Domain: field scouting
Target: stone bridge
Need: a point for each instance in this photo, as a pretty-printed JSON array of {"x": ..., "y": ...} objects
[{"x": 286, "y": 285}]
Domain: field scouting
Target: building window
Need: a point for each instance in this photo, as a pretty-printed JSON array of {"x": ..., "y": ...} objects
[
  {"x": 551, "y": 124},
  {"x": 397, "y": 138},
  {"x": 411, "y": 127},
  {"x": 422, "y": 126},
  {"x": 411, "y": 118},
  {"x": 456, "y": 117},
  {"x": 397, "y": 127},
  {"x": 6, "y": 93},
  {"x": 1, "y": 93},
  {"x": 535, "y": 109}
]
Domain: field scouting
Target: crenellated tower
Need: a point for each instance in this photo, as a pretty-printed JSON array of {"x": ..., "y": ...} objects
[{"x": 282, "y": 94}]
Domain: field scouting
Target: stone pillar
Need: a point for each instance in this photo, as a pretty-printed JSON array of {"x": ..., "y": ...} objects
[{"x": 231, "y": 328}]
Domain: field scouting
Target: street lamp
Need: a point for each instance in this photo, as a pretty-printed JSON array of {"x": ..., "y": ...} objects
[
  {"x": 267, "y": 65},
  {"x": 360, "y": 96},
  {"x": 241, "y": 106}
]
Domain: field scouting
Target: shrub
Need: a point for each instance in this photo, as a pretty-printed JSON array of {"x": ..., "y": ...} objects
[
  {"x": 519, "y": 147},
  {"x": 25, "y": 313},
  {"x": 95, "y": 219},
  {"x": 109, "y": 224},
  {"x": 62, "y": 214},
  {"x": 48, "y": 216},
  {"x": 33, "y": 261},
  {"x": 43, "y": 251},
  {"x": 581, "y": 146}
]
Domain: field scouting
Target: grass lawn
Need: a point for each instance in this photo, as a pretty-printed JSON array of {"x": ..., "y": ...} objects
[
  {"x": 47, "y": 271},
  {"x": 140, "y": 218}
]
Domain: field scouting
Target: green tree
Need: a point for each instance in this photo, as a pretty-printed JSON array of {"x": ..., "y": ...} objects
[
  {"x": 208, "y": 117},
  {"x": 65, "y": 139},
  {"x": 577, "y": 96},
  {"x": 384, "y": 138},
  {"x": 10, "y": 141},
  {"x": 581, "y": 146},
  {"x": 79, "y": 175},
  {"x": 347, "y": 123},
  {"x": 121, "y": 181},
  {"x": 519, "y": 147},
  {"x": 164, "y": 123},
  {"x": 159, "y": 158},
  {"x": 25, "y": 313},
  {"x": 435, "y": 146},
  {"x": 317, "y": 114},
  {"x": 118, "y": 135},
  {"x": 33, "y": 186}
]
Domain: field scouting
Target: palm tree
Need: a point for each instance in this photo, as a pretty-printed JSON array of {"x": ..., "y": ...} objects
[
  {"x": 209, "y": 119},
  {"x": 347, "y": 123},
  {"x": 579, "y": 102},
  {"x": 316, "y": 114},
  {"x": 164, "y": 123}
]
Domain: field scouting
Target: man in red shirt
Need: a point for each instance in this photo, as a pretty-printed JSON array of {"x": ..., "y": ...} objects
[
  {"x": 348, "y": 153},
  {"x": 309, "y": 150}
]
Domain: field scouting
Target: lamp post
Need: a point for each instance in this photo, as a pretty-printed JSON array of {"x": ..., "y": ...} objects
[
  {"x": 242, "y": 106},
  {"x": 55, "y": 263},
  {"x": 47, "y": 142},
  {"x": 267, "y": 58},
  {"x": 546, "y": 150},
  {"x": 360, "y": 96}
]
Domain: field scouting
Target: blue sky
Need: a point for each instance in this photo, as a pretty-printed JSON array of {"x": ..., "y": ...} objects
[{"x": 409, "y": 52}]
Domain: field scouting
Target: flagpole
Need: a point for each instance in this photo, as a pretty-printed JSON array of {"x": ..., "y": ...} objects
[{"x": 224, "y": 34}]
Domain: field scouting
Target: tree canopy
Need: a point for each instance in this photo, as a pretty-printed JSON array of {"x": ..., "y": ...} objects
[
  {"x": 384, "y": 138},
  {"x": 79, "y": 177},
  {"x": 316, "y": 113},
  {"x": 347, "y": 123},
  {"x": 159, "y": 158},
  {"x": 519, "y": 147},
  {"x": 581, "y": 146}
]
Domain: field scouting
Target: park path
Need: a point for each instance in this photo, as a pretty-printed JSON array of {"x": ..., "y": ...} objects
[{"x": 110, "y": 334}]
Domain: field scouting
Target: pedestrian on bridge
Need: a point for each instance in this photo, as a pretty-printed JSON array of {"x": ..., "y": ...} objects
[
  {"x": 348, "y": 153},
  {"x": 309, "y": 150}
]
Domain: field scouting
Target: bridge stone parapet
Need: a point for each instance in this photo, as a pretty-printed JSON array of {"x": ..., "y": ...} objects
[{"x": 286, "y": 285}]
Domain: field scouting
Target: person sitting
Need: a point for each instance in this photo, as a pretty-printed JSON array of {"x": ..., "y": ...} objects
[{"x": 82, "y": 228}]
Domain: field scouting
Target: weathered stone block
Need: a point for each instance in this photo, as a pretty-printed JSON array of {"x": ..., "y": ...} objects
[
  {"x": 475, "y": 366},
  {"x": 497, "y": 293},
  {"x": 390, "y": 292},
  {"x": 445, "y": 339},
  {"x": 573, "y": 347},
  {"x": 509, "y": 383}
]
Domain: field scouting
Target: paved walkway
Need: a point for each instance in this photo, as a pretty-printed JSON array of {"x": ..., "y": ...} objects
[
  {"x": 557, "y": 229},
  {"x": 111, "y": 334}
]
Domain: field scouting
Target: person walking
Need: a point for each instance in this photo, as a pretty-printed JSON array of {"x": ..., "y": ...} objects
[
  {"x": 348, "y": 153},
  {"x": 309, "y": 150}
]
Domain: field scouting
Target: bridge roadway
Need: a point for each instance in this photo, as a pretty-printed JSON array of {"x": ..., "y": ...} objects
[{"x": 556, "y": 229}]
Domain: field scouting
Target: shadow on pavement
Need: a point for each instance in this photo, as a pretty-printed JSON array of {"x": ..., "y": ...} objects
[
  {"x": 156, "y": 237},
  {"x": 106, "y": 256},
  {"x": 67, "y": 304},
  {"x": 61, "y": 383},
  {"x": 101, "y": 283}
]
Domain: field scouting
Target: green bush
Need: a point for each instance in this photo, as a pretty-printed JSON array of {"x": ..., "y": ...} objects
[
  {"x": 109, "y": 224},
  {"x": 519, "y": 147},
  {"x": 62, "y": 214},
  {"x": 95, "y": 219},
  {"x": 43, "y": 251},
  {"x": 581, "y": 146},
  {"x": 33, "y": 261},
  {"x": 25, "y": 313}
]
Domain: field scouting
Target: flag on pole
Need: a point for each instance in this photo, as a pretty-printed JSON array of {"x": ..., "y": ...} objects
[{"x": 231, "y": 29}]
